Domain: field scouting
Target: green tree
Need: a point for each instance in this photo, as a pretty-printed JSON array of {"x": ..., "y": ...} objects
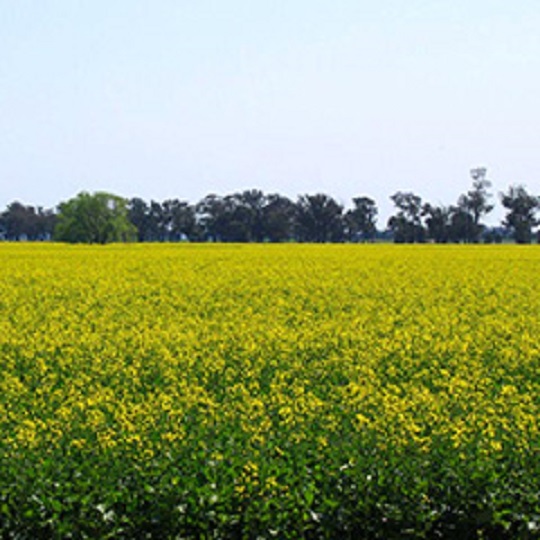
[
  {"x": 437, "y": 219},
  {"x": 97, "y": 218},
  {"x": 20, "y": 222},
  {"x": 406, "y": 225},
  {"x": 249, "y": 210},
  {"x": 361, "y": 220},
  {"x": 279, "y": 215},
  {"x": 319, "y": 218},
  {"x": 211, "y": 214},
  {"x": 521, "y": 213},
  {"x": 238, "y": 217},
  {"x": 138, "y": 214},
  {"x": 462, "y": 227},
  {"x": 476, "y": 202},
  {"x": 181, "y": 221}
]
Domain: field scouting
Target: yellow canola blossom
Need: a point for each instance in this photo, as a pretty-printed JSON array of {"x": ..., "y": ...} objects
[{"x": 142, "y": 349}]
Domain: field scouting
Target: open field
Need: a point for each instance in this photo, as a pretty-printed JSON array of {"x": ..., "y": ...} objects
[{"x": 296, "y": 391}]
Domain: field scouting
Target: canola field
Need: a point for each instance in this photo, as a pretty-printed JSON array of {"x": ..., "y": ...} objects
[{"x": 269, "y": 391}]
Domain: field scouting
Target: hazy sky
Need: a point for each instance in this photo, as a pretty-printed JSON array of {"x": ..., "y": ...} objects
[{"x": 177, "y": 98}]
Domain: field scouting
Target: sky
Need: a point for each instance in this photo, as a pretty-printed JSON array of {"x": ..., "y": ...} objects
[{"x": 178, "y": 99}]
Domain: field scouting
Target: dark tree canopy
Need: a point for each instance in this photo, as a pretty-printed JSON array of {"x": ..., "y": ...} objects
[
  {"x": 438, "y": 222},
  {"x": 21, "y": 222},
  {"x": 319, "y": 219},
  {"x": 279, "y": 216},
  {"x": 361, "y": 220},
  {"x": 406, "y": 225},
  {"x": 462, "y": 227},
  {"x": 476, "y": 204},
  {"x": 253, "y": 216},
  {"x": 138, "y": 215},
  {"x": 521, "y": 212}
]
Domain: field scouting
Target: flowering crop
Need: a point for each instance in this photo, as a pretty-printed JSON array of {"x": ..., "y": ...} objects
[{"x": 269, "y": 391}]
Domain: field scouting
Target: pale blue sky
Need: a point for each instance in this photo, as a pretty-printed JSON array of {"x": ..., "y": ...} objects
[{"x": 171, "y": 98}]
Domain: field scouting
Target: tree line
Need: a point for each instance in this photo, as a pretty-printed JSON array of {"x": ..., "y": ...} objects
[{"x": 253, "y": 216}]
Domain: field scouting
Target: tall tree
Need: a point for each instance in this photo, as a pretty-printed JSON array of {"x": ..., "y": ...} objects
[
  {"x": 158, "y": 222},
  {"x": 20, "y": 222},
  {"x": 361, "y": 219},
  {"x": 45, "y": 221},
  {"x": 476, "y": 202},
  {"x": 437, "y": 220},
  {"x": 181, "y": 220},
  {"x": 210, "y": 213},
  {"x": 319, "y": 218},
  {"x": 249, "y": 209},
  {"x": 521, "y": 213},
  {"x": 138, "y": 214},
  {"x": 240, "y": 216},
  {"x": 278, "y": 216},
  {"x": 462, "y": 227},
  {"x": 97, "y": 218},
  {"x": 406, "y": 225}
]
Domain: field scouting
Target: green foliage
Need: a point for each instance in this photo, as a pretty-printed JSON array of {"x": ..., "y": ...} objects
[
  {"x": 361, "y": 220},
  {"x": 319, "y": 219},
  {"x": 98, "y": 218},
  {"x": 521, "y": 213}
]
